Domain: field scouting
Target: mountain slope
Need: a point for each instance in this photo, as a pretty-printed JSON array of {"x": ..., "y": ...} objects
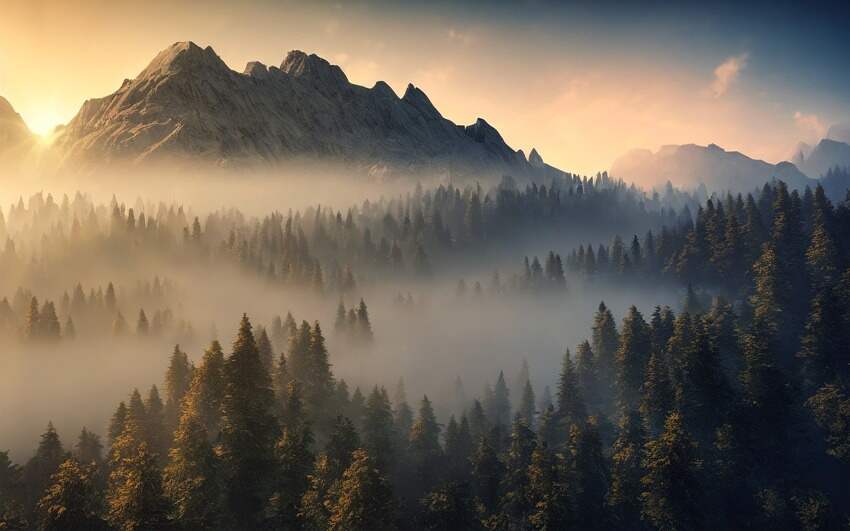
[
  {"x": 188, "y": 102},
  {"x": 826, "y": 155},
  {"x": 689, "y": 166},
  {"x": 13, "y": 131}
]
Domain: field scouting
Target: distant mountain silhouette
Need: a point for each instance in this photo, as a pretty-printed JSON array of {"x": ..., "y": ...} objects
[{"x": 689, "y": 166}]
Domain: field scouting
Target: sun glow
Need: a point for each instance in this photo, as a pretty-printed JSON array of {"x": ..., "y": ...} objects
[{"x": 42, "y": 122}]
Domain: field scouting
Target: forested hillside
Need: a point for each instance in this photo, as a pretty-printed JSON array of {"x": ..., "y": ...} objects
[{"x": 729, "y": 412}]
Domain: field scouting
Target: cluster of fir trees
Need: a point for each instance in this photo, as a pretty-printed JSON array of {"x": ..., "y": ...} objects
[
  {"x": 535, "y": 278},
  {"x": 721, "y": 244},
  {"x": 96, "y": 314},
  {"x": 354, "y": 325},
  {"x": 320, "y": 248}
]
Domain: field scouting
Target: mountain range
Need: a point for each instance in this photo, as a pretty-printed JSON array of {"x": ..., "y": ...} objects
[
  {"x": 188, "y": 102},
  {"x": 689, "y": 166}
]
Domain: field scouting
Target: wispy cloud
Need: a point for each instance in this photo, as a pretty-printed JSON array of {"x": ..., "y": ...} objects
[
  {"x": 811, "y": 125},
  {"x": 726, "y": 74},
  {"x": 464, "y": 38}
]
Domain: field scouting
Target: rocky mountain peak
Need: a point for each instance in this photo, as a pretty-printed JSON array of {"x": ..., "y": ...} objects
[
  {"x": 414, "y": 96},
  {"x": 535, "y": 159},
  {"x": 256, "y": 69},
  {"x": 315, "y": 69},
  {"x": 182, "y": 57}
]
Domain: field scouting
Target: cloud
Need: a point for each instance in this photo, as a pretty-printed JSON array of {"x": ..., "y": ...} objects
[
  {"x": 810, "y": 124},
  {"x": 460, "y": 37},
  {"x": 726, "y": 73}
]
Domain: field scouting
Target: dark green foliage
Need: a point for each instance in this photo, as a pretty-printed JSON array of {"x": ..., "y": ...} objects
[
  {"x": 73, "y": 501},
  {"x": 192, "y": 478},
  {"x": 450, "y": 506},
  {"x": 365, "y": 501},
  {"x": 248, "y": 430},
  {"x": 378, "y": 430},
  {"x": 632, "y": 358},
  {"x": 672, "y": 497},
  {"x": 425, "y": 450}
]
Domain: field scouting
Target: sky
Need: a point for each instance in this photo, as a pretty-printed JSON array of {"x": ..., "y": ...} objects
[{"x": 581, "y": 82}]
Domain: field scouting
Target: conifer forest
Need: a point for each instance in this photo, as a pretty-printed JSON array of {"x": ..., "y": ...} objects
[
  {"x": 692, "y": 376},
  {"x": 393, "y": 265}
]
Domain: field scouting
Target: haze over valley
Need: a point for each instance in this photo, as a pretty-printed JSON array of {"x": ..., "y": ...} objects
[{"x": 451, "y": 266}]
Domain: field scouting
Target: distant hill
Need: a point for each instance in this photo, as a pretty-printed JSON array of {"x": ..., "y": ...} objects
[
  {"x": 689, "y": 166},
  {"x": 189, "y": 103}
]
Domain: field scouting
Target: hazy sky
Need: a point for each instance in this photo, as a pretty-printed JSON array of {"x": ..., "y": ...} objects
[{"x": 582, "y": 84}]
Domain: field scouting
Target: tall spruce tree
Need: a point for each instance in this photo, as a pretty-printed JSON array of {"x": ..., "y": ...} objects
[
  {"x": 365, "y": 501},
  {"x": 672, "y": 497},
  {"x": 248, "y": 430}
]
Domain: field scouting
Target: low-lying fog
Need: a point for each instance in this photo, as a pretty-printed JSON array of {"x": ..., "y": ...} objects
[{"x": 79, "y": 382}]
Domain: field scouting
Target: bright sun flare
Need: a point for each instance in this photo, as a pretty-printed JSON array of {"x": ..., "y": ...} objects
[{"x": 42, "y": 121}]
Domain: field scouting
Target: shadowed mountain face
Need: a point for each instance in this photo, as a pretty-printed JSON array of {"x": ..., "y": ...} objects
[
  {"x": 689, "y": 166},
  {"x": 188, "y": 102},
  {"x": 13, "y": 131},
  {"x": 828, "y": 154}
]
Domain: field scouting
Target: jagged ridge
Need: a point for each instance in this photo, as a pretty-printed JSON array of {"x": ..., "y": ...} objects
[{"x": 189, "y": 102}]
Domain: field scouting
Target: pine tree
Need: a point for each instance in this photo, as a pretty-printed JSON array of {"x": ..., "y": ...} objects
[
  {"x": 658, "y": 397},
  {"x": 51, "y": 330},
  {"x": 479, "y": 425},
  {"x": 632, "y": 358},
  {"x": 248, "y": 429},
  {"x": 527, "y": 405},
  {"x": 624, "y": 494},
  {"x": 294, "y": 463},
  {"x": 587, "y": 377},
  {"x": 264, "y": 346},
  {"x": 156, "y": 435},
  {"x": 487, "y": 474},
  {"x": 501, "y": 402},
  {"x": 552, "y": 506},
  {"x": 378, "y": 433},
  {"x": 343, "y": 440},
  {"x": 671, "y": 497},
  {"x": 206, "y": 392},
  {"x": 88, "y": 449},
  {"x": 458, "y": 445},
  {"x": 425, "y": 446},
  {"x": 570, "y": 403},
  {"x": 192, "y": 478},
  {"x": 142, "y": 325},
  {"x": 32, "y": 321},
  {"x": 117, "y": 422},
  {"x": 450, "y": 506},
  {"x": 314, "y": 514},
  {"x": 514, "y": 503},
  {"x": 39, "y": 469},
  {"x": 365, "y": 501},
  {"x": 178, "y": 378},
  {"x": 135, "y": 501},
  {"x": 589, "y": 474},
  {"x": 605, "y": 344},
  {"x": 73, "y": 501},
  {"x": 364, "y": 327}
]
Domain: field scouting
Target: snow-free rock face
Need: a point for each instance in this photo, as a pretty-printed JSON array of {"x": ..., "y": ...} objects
[
  {"x": 187, "y": 102},
  {"x": 13, "y": 131},
  {"x": 689, "y": 166}
]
